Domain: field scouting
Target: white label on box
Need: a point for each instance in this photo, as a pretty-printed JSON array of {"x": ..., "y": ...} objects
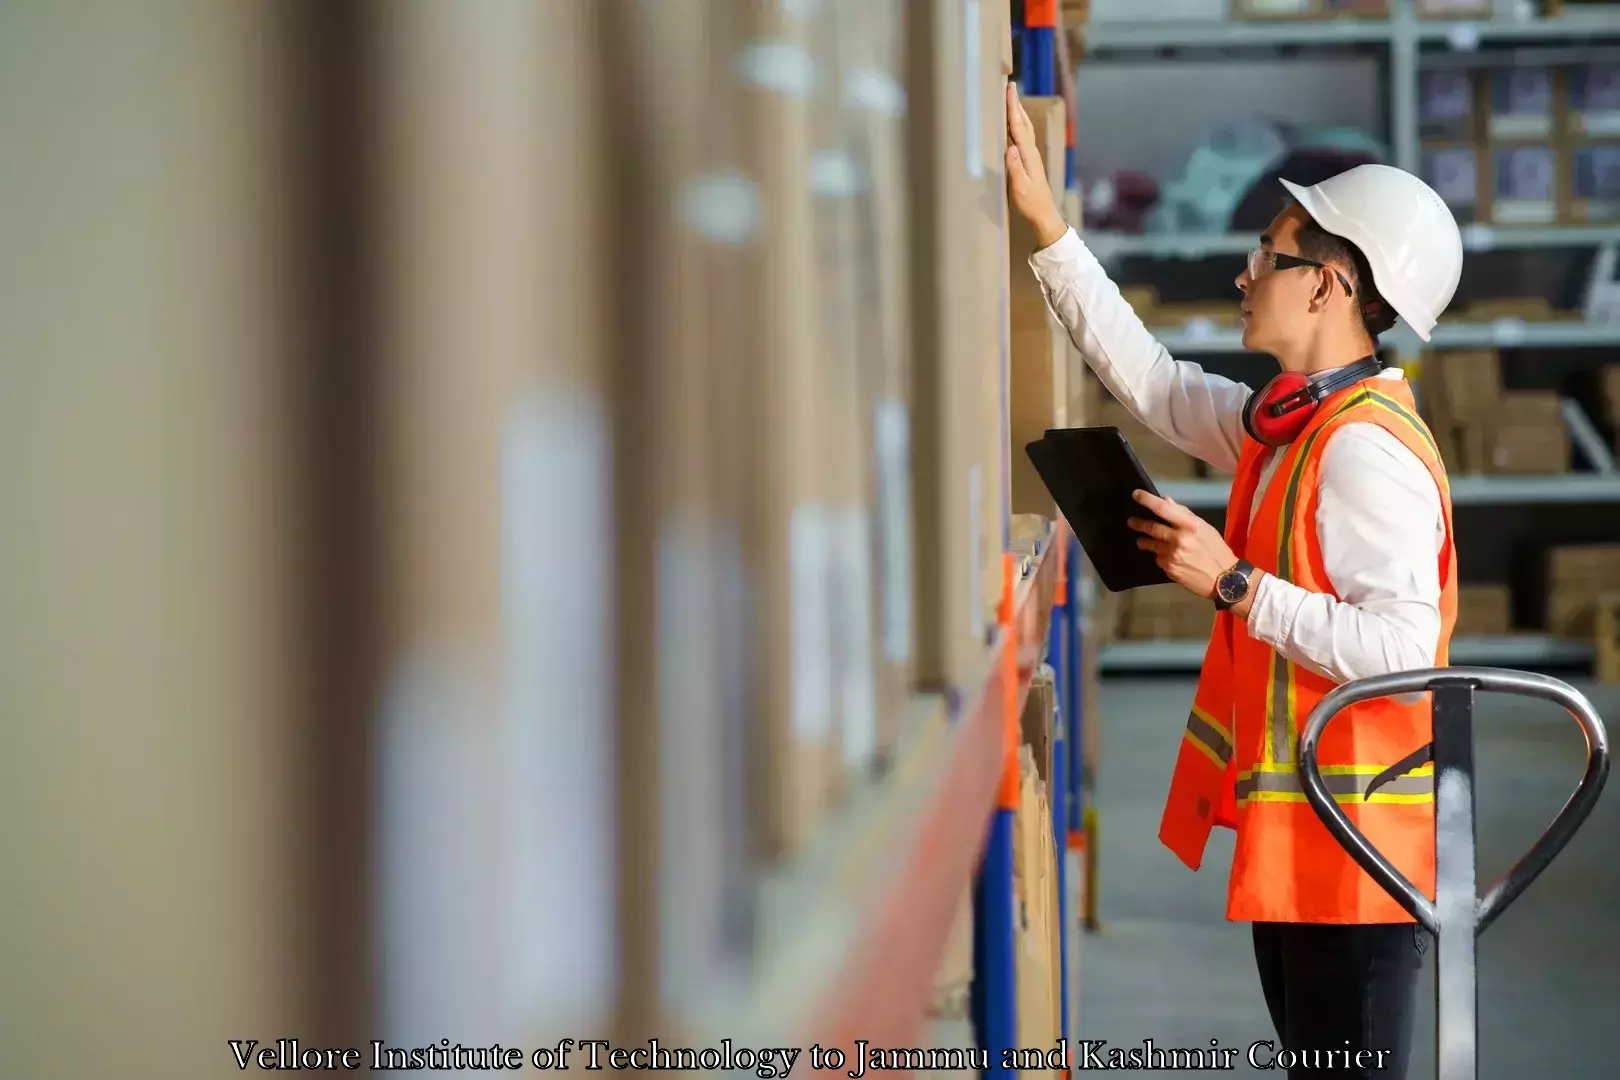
[
  {"x": 858, "y": 682},
  {"x": 780, "y": 66},
  {"x": 809, "y": 556},
  {"x": 1596, "y": 123},
  {"x": 691, "y": 751},
  {"x": 893, "y": 446},
  {"x": 558, "y": 936},
  {"x": 723, "y": 207},
  {"x": 876, "y": 90},
  {"x": 970, "y": 83},
  {"x": 1597, "y": 172},
  {"x": 975, "y": 553}
]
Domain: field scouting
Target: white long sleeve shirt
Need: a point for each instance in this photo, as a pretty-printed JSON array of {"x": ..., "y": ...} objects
[{"x": 1379, "y": 517}]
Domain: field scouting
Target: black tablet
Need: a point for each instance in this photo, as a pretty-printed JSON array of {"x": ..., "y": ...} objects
[{"x": 1091, "y": 473}]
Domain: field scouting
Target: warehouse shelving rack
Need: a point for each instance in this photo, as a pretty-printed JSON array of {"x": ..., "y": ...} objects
[
  {"x": 852, "y": 930},
  {"x": 1411, "y": 43}
]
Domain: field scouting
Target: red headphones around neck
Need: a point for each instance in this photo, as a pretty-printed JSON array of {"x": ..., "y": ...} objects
[{"x": 1276, "y": 413}]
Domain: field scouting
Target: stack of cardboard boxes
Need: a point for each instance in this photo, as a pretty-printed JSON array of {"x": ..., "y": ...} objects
[
  {"x": 1576, "y": 576},
  {"x": 1523, "y": 144},
  {"x": 1482, "y": 428},
  {"x": 1166, "y": 613},
  {"x": 1483, "y": 610},
  {"x": 1309, "y": 9}
]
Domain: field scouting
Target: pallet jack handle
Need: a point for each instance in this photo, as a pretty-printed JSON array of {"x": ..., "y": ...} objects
[{"x": 1456, "y": 916}]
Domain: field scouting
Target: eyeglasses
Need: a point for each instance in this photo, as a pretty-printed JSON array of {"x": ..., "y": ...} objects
[{"x": 1263, "y": 261}]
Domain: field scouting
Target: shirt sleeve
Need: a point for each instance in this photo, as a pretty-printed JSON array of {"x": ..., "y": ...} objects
[
  {"x": 1381, "y": 528},
  {"x": 1199, "y": 413}
]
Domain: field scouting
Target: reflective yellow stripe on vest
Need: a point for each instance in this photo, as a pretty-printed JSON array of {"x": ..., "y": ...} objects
[{"x": 1346, "y": 783}]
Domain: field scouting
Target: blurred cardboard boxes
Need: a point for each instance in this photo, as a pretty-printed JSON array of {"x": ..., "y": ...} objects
[
  {"x": 1529, "y": 435},
  {"x": 1453, "y": 9},
  {"x": 1036, "y": 908},
  {"x": 1593, "y": 178},
  {"x": 1167, "y": 613},
  {"x": 1592, "y": 100},
  {"x": 1483, "y": 610},
  {"x": 1576, "y": 576},
  {"x": 1454, "y": 171},
  {"x": 1524, "y": 185},
  {"x": 1524, "y": 102},
  {"x": 1162, "y": 460},
  {"x": 1484, "y": 429},
  {"x": 958, "y": 445},
  {"x": 1309, "y": 9}
]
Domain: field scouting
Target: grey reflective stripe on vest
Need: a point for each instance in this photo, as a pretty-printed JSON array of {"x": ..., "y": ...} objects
[
  {"x": 1344, "y": 786},
  {"x": 1206, "y": 733}
]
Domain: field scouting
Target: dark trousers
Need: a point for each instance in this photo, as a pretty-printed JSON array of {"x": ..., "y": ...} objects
[{"x": 1341, "y": 988}]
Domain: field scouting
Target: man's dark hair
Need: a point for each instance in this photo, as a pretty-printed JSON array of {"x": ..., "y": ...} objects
[{"x": 1319, "y": 245}]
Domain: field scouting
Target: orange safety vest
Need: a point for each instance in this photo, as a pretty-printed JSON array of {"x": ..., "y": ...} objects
[{"x": 1237, "y": 765}]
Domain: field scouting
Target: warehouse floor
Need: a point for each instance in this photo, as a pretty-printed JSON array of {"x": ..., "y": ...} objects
[{"x": 1166, "y": 966}]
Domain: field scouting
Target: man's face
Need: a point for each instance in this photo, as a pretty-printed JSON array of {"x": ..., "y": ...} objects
[{"x": 1277, "y": 303}]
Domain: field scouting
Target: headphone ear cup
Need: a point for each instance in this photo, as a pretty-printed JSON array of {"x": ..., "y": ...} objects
[
  {"x": 1249, "y": 408},
  {"x": 1277, "y": 431}
]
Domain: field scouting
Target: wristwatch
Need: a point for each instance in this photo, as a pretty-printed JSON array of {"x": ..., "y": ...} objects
[{"x": 1232, "y": 586}]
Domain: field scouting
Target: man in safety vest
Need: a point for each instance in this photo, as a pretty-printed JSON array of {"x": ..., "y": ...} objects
[{"x": 1337, "y": 562}]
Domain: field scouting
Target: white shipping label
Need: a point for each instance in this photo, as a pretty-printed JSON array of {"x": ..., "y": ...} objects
[
  {"x": 558, "y": 937},
  {"x": 893, "y": 445},
  {"x": 976, "y": 553},
  {"x": 812, "y": 623},
  {"x": 691, "y": 758},
  {"x": 858, "y": 682},
  {"x": 970, "y": 83}
]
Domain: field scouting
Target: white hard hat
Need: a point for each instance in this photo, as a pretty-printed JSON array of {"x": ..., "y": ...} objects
[{"x": 1405, "y": 230}]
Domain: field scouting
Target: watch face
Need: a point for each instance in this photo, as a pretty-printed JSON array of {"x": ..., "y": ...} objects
[{"x": 1232, "y": 585}]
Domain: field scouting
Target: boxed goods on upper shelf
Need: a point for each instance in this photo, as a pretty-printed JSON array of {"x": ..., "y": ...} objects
[
  {"x": 1482, "y": 428},
  {"x": 1309, "y": 9}
]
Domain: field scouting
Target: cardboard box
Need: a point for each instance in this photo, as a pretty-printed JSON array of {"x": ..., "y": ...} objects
[
  {"x": 1483, "y": 610},
  {"x": 1592, "y": 183},
  {"x": 1524, "y": 185},
  {"x": 1524, "y": 101},
  {"x": 1529, "y": 436},
  {"x": 1040, "y": 345},
  {"x": 1576, "y": 576},
  {"x": 1456, "y": 172},
  {"x": 950, "y": 462},
  {"x": 1035, "y": 899},
  {"x": 1450, "y": 105},
  {"x": 792, "y": 539},
  {"x": 1038, "y": 722},
  {"x": 1592, "y": 100},
  {"x": 1167, "y": 613},
  {"x": 992, "y": 298},
  {"x": 1606, "y": 639},
  {"x": 1463, "y": 386},
  {"x": 1309, "y": 9},
  {"x": 1454, "y": 9},
  {"x": 1609, "y": 389},
  {"x": 1158, "y": 457},
  {"x": 876, "y": 48}
]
